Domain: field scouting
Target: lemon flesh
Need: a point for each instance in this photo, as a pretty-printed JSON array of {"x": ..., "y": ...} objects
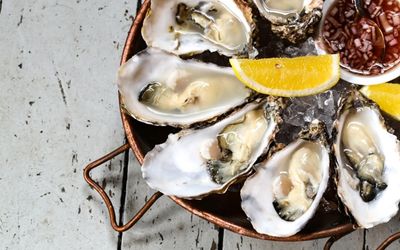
[
  {"x": 386, "y": 95},
  {"x": 289, "y": 77}
]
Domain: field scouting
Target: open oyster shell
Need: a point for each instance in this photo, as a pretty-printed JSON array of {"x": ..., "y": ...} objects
[
  {"x": 284, "y": 193},
  {"x": 187, "y": 27},
  {"x": 367, "y": 162},
  {"x": 161, "y": 89},
  {"x": 293, "y": 20},
  {"x": 194, "y": 163}
]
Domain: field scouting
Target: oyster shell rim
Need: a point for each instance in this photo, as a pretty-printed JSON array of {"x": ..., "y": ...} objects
[
  {"x": 273, "y": 127},
  {"x": 297, "y": 27},
  {"x": 316, "y": 133},
  {"x": 353, "y": 99},
  {"x": 140, "y": 116},
  {"x": 248, "y": 49}
]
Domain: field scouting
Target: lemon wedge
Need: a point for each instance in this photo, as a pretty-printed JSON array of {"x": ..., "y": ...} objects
[
  {"x": 386, "y": 95},
  {"x": 289, "y": 77}
]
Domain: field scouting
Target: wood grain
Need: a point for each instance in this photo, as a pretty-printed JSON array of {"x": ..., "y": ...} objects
[{"x": 58, "y": 111}]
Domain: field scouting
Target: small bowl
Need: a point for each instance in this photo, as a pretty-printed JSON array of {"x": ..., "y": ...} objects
[{"x": 345, "y": 74}]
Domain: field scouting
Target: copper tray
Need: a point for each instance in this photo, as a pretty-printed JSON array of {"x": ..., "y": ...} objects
[{"x": 222, "y": 210}]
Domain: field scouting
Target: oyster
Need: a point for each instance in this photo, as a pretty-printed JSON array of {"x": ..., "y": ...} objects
[
  {"x": 293, "y": 20},
  {"x": 368, "y": 157},
  {"x": 187, "y": 27},
  {"x": 287, "y": 187},
  {"x": 194, "y": 163},
  {"x": 162, "y": 89}
]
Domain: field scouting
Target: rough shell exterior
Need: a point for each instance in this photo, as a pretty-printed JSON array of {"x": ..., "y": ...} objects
[{"x": 296, "y": 28}]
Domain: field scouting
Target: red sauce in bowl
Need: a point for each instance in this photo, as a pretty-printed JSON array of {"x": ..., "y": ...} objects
[{"x": 355, "y": 39}]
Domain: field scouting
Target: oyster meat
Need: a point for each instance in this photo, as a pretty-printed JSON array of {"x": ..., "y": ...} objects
[
  {"x": 287, "y": 187},
  {"x": 162, "y": 89},
  {"x": 187, "y": 27},
  {"x": 368, "y": 157},
  {"x": 194, "y": 163},
  {"x": 293, "y": 20}
]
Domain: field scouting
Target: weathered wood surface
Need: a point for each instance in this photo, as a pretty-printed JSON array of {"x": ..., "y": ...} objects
[
  {"x": 59, "y": 111},
  {"x": 234, "y": 241}
]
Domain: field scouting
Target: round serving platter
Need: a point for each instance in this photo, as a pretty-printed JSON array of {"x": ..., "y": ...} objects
[{"x": 223, "y": 210}]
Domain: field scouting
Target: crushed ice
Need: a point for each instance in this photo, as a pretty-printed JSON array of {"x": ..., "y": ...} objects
[{"x": 303, "y": 110}]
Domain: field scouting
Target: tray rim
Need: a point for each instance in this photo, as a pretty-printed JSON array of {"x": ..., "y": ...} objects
[{"x": 134, "y": 33}]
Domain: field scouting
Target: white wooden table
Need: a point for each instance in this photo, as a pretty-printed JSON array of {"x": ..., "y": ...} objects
[{"x": 59, "y": 111}]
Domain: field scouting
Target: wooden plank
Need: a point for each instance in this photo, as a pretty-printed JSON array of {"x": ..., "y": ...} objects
[
  {"x": 166, "y": 225},
  {"x": 376, "y": 235},
  {"x": 58, "y": 111},
  {"x": 235, "y": 241}
]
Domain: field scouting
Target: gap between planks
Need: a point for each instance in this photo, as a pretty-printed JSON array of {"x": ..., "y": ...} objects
[
  {"x": 125, "y": 172},
  {"x": 123, "y": 195}
]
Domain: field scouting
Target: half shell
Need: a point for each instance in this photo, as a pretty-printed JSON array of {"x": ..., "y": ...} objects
[
  {"x": 161, "y": 89},
  {"x": 194, "y": 163},
  {"x": 368, "y": 157},
  {"x": 284, "y": 193},
  {"x": 187, "y": 27}
]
